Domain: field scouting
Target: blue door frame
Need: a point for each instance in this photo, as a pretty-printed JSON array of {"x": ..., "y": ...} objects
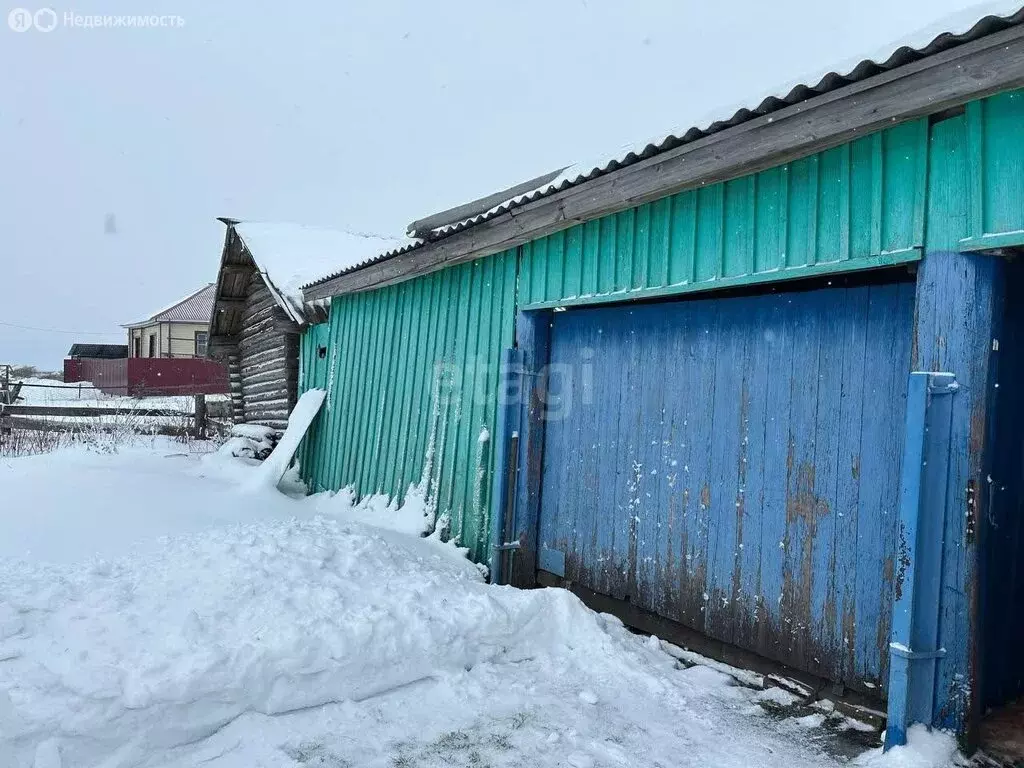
[{"x": 914, "y": 648}]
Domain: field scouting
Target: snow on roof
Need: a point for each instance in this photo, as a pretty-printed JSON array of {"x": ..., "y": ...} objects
[
  {"x": 967, "y": 24},
  {"x": 292, "y": 255},
  {"x": 197, "y": 307}
]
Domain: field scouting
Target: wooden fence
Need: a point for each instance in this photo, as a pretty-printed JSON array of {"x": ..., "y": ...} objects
[{"x": 70, "y": 418}]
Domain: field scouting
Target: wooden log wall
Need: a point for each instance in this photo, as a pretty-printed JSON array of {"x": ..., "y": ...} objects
[{"x": 268, "y": 353}]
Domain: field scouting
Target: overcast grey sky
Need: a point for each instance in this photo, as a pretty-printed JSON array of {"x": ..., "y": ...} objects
[{"x": 363, "y": 115}]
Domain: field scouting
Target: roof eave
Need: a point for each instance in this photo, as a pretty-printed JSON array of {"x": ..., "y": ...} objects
[{"x": 931, "y": 84}]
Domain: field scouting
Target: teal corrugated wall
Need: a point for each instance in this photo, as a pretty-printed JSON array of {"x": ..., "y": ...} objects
[
  {"x": 995, "y": 185},
  {"x": 411, "y": 377},
  {"x": 313, "y": 375},
  {"x": 396, "y": 367},
  {"x": 856, "y": 206}
]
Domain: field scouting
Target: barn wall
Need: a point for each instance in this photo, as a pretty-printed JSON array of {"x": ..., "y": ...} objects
[
  {"x": 411, "y": 375},
  {"x": 858, "y": 206},
  {"x": 268, "y": 352}
]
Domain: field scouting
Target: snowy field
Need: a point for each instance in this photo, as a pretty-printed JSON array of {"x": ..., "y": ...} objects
[{"x": 157, "y": 609}]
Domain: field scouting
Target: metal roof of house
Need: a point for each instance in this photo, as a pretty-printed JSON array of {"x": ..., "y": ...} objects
[
  {"x": 99, "y": 351},
  {"x": 931, "y": 43},
  {"x": 194, "y": 308}
]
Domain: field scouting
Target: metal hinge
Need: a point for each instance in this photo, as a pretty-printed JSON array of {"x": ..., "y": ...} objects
[
  {"x": 508, "y": 545},
  {"x": 906, "y": 653},
  {"x": 942, "y": 384}
]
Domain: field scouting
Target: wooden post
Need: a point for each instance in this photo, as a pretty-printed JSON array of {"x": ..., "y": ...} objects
[{"x": 200, "y": 417}]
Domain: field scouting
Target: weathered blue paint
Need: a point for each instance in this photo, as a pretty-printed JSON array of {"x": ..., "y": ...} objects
[
  {"x": 551, "y": 560},
  {"x": 533, "y": 332},
  {"x": 957, "y": 310},
  {"x": 507, "y": 436},
  {"x": 915, "y": 623},
  {"x": 723, "y": 462}
]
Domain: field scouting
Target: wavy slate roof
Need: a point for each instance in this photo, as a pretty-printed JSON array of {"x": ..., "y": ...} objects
[
  {"x": 942, "y": 36},
  {"x": 194, "y": 308}
]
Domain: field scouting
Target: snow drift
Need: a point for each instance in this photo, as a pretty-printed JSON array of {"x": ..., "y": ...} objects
[
  {"x": 121, "y": 658},
  {"x": 156, "y": 612}
]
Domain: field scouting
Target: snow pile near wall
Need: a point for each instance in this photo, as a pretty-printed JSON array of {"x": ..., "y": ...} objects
[
  {"x": 230, "y": 628},
  {"x": 250, "y": 441},
  {"x": 255, "y": 432},
  {"x": 270, "y": 472},
  {"x": 161, "y": 650},
  {"x": 292, "y": 255},
  {"x": 924, "y": 749},
  {"x": 414, "y": 516}
]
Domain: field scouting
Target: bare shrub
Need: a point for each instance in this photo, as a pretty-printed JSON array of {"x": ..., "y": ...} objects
[
  {"x": 16, "y": 441},
  {"x": 105, "y": 434}
]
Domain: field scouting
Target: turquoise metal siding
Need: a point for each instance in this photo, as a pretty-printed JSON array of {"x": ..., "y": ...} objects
[
  {"x": 314, "y": 355},
  {"x": 995, "y": 166},
  {"x": 411, "y": 379},
  {"x": 857, "y": 206}
]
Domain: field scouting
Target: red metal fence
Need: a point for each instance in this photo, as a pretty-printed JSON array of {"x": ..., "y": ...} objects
[
  {"x": 73, "y": 370},
  {"x": 150, "y": 376}
]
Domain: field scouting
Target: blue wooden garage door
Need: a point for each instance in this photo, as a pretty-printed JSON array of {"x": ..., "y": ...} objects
[{"x": 733, "y": 464}]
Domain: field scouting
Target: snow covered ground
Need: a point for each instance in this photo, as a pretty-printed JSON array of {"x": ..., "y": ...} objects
[{"x": 157, "y": 610}]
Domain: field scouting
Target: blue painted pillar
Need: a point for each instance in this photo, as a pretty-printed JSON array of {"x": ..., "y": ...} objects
[
  {"x": 914, "y": 649},
  {"x": 957, "y": 319}
]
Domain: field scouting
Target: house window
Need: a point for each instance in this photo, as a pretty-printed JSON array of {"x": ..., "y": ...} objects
[
  {"x": 202, "y": 337},
  {"x": 137, "y": 346},
  {"x": 152, "y": 345}
]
